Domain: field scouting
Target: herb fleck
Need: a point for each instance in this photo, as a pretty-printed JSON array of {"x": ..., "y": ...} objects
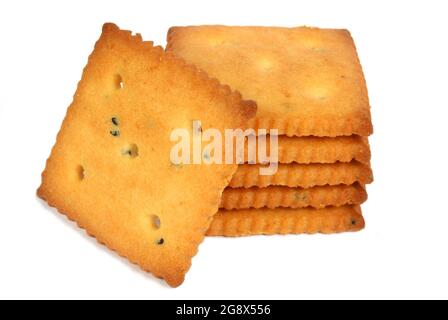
[
  {"x": 115, "y": 121},
  {"x": 115, "y": 133}
]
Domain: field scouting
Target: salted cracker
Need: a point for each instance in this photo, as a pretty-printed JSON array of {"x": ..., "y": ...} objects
[
  {"x": 306, "y": 150},
  {"x": 306, "y": 81},
  {"x": 303, "y": 175},
  {"x": 274, "y": 197},
  {"x": 110, "y": 170},
  {"x": 250, "y": 222}
]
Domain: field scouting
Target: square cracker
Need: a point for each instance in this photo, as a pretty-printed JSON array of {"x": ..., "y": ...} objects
[
  {"x": 307, "y": 150},
  {"x": 306, "y": 81},
  {"x": 251, "y": 222},
  {"x": 303, "y": 175},
  {"x": 110, "y": 169},
  {"x": 284, "y": 197}
]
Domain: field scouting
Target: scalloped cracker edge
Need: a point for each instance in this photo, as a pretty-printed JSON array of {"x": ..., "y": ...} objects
[
  {"x": 303, "y": 175},
  {"x": 306, "y": 150},
  {"x": 251, "y": 222},
  {"x": 275, "y": 197}
]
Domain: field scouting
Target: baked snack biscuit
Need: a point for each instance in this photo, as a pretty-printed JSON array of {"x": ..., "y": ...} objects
[
  {"x": 303, "y": 175},
  {"x": 306, "y": 81},
  {"x": 110, "y": 170},
  {"x": 274, "y": 197},
  {"x": 249, "y": 222},
  {"x": 306, "y": 150}
]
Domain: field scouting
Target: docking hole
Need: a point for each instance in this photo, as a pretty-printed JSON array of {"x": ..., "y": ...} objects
[
  {"x": 130, "y": 151},
  {"x": 80, "y": 172},
  {"x": 155, "y": 222},
  {"x": 119, "y": 84}
]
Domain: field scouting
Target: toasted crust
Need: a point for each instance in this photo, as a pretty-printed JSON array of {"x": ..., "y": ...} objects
[
  {"x": 250, "y": 222},
  {"x": 303, "y": 176},
  {"x": 110, "y": 169},
  {"x": 306, "y": 150},
  {"x": 306, "y": 81},
  {"x": 274, "y": 197}
]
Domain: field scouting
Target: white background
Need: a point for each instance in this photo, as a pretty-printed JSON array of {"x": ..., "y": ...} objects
[{"x": 401, "y": 254}]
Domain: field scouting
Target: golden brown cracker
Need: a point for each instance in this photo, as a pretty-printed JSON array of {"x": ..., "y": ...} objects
[
  {"x": 306, "y": 150},
  {"x": 303, "y": 175},
  {"x": 274, "y": 197},
  {"x": 250, "y": 222},
  {"x": 110, "y": 170},
  {"x": 306, "y": 81}
]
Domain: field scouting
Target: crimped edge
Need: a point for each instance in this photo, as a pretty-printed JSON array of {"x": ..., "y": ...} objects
[
  {"x": 252, "y": 222},
  {"x": 276, "y": 197},
  {"x": 247, "y": 176}
]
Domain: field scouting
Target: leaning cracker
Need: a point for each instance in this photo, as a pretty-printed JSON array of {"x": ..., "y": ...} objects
[
  {"x": 274, "y": 197},
  {"x": 110, "y": 170},
  {"x": 303, "y": 175},
  {"x": 306, "y": 150},
  {"x": 251, "y": 222},
  {"x": 306, "y": 81}
]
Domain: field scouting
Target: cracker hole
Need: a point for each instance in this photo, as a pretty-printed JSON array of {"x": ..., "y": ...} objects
[
  {"x": 80, "y": 173},
  {"x": 130, "y": 151},
  {"x": 119, "y": 84},
  {"x": 160, "y": 242},
  {"x": 155, "y": 222}
]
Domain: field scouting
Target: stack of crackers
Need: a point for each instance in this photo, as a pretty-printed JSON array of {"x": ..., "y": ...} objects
[
  {"x": 110, "y": 170},
  {"x": 309, "y": 85}
]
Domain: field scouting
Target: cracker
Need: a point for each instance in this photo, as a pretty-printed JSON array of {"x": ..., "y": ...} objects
[
  {"x": 306, "y": 81},
  {"x": 306, "y": 150},
  {"x": 251, "y": 222},
  {"x": 274, "y": 197},
  {"x": 303, "y": 175},
  {"x": 110, "y": 170}
]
